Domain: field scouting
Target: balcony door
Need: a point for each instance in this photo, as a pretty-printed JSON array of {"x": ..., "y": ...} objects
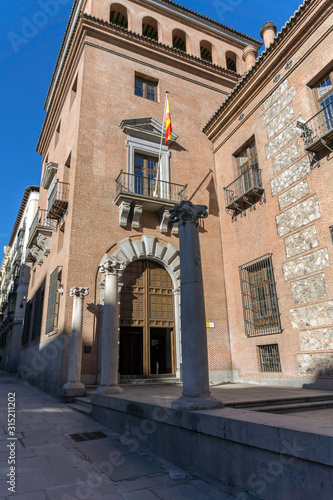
[
  {"x": 145, "y": 171},
  {"x": 147, "y": 345}
]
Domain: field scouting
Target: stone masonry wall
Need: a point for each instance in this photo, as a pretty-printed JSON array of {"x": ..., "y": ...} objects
[
  {"x": 315, "y": 261},
  {"x": 280, "y": 89},
  {"x": 305, "y": 212},
  {"x": 278, "y": 105},
  {"x": 281, "y": 120},
  {"x": 304, "y": 240},
  {"x": 281, "y": 140},
  {"x": 313, "y": 340},
  {"x": 287, "y": 156},
  {"x": 316, "y": 365},
  {"x": 313, "y": 315},
  {"x": 293, "y": 194},
  {"x": 291, "y": 175},
  {"x": 309, "y": 289}
]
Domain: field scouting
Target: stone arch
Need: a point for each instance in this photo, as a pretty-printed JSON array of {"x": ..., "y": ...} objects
[
  {"x": 206, "y": 51},
  {"x": 119, "y": 15},
  {"x": 148, "y": 247},
  {"x": 150, "y": 28}
]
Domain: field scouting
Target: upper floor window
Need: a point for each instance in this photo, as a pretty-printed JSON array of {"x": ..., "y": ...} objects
[
  {"x": 149, "y": 28},
  {"x": 247, "y": 158},
  {"x": 179, "y": 40},
  {"x": 118, "y": 15},
  {"x": 231, "y": 60},
  {"x": 146, "y": 88},
  {"x": 324, "y": 90},
  {"x": 145, "y": 172},
  {"x": 206, "y": 51}
]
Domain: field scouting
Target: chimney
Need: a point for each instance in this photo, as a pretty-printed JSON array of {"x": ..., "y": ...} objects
[
  {"x": 267, "y": 32},
  {"x": 249, "y": 56}
]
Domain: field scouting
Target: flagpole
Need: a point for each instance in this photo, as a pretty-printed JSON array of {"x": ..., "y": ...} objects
[{"x": 160, "y": 152}]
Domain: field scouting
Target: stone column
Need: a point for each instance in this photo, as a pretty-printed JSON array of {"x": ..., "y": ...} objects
[
  {"x": 110, "y": 330},
  {"x": 196, "y": 394},
  {"x": 75, "y": 347}
]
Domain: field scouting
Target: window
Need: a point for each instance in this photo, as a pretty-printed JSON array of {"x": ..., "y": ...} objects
[
  {"x": 26, "y": 324},
  {"x": 149, "y": 28},
  {"x": 323, "y": 90},
  {"x": 57, "y": 135},
  {"x": 54, "y": 301},
  {"x": 269, "y": 358},
  {"x": 145, "y": 171},
  {"x": 38, "y": 314},
  {"x": 231, "y": 61},
  {"x": 260, "y": 305},
  {"x": 146, "y": 88},
  {"x": 179, "y": 40},
  {"x": 73, "y": 92},
  {"x": 206, "y": 51},
  {"x": 248, "y": 167},
  {"x": 118, "y": 15}
]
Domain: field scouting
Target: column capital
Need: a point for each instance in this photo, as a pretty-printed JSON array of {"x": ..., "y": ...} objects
[
  {"x": 112, "y": 267},
  {"x": 79, "y": 291},
  {"x": 187, "y": 212}
]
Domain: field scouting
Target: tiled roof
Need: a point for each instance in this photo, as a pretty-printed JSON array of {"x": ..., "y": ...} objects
[
  {"x": 240, "y": 84},
  {"x": 149, "y": 41},
  {"x": 212, "y": 21}
]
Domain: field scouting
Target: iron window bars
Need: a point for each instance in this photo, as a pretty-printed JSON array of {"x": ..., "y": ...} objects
[
  {"x": 150, "y": 187},
  {"x": 318, "y": 129},
  {"x": 269, "y": 358},
  {"x": 260, "y": 303}
]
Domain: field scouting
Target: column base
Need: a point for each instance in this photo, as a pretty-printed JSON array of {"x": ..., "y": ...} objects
[
  {"x": 71, "y": 390},
  {"x": 74, "y": 385},
  {"x": 196, "y": 403},
  {"x": 109, "y": 389}
]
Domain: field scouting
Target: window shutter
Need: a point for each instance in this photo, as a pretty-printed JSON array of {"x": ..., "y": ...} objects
[
  {"x": 38, "y": 313},
  {"x": 51, "y": 306},
  {"x": 26, "y": 324}
]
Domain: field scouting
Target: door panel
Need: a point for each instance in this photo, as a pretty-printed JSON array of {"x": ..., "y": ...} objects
[{"x": 147, "y": 302}]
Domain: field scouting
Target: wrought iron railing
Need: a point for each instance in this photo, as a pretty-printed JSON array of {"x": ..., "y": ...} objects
[
  {"x": 58, "y": 200},
  {"x": 150, "y": 187},
  {"x": 248, "y": 180},
  {"x": 319, "y": 126},
  {"x": 40, "y": 219}
]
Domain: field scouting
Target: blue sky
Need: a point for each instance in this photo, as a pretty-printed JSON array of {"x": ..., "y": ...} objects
[{"x": 31, "y": 32}]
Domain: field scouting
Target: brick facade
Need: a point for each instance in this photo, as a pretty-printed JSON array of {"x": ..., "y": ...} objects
[{"x": 93, "y": 94}]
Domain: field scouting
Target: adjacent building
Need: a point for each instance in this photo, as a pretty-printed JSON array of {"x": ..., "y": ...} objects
[
  {"x": 260, "y": 163},
  {"x": 14, "y": 283}
]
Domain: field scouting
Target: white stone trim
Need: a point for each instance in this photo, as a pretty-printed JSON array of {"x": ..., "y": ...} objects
[{"x": 167, "y": 256}]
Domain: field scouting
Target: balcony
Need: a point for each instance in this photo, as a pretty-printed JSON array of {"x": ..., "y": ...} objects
[
  {"x": 57, "y": 202},
  {"x": 42, "y": 227},
  {"x": 138, "y": 193},
  {"x": 244, "y": 192},
  {"x": 318, "y": 129},
  {"x": 150, "y": 191}
]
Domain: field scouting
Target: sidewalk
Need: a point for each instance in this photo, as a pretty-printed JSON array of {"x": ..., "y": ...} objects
[{"x": 51, "y": 465}]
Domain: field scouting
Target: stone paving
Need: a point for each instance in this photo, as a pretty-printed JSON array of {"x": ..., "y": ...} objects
[{"x": 50, "y": 465}]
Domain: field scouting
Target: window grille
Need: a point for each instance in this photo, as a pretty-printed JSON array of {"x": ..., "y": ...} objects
[
  {"x": 269, "y": 358},
  {"x": 54, "y": 301},
  {"x": 260, "y": 303}
]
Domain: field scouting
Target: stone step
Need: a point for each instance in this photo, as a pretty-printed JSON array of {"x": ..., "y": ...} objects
[
  {"x": 288, "y": 408},
  {"x": 82, "y": 408},
  {"x": 282, "y": 401},
  {"x": 150, "y": 381}
]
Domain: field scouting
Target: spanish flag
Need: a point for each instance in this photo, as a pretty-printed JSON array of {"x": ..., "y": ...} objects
[{"x": 168, "y": 127}]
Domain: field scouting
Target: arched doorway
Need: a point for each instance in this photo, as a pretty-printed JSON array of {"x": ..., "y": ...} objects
[{"x": 147, "y": 344}]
